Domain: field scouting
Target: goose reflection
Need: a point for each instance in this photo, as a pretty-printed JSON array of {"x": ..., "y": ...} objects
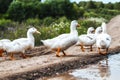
[{"x": 104, "y": 69}]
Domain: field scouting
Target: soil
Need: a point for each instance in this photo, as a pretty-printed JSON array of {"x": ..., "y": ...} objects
[{"x": 43, "y": 62}]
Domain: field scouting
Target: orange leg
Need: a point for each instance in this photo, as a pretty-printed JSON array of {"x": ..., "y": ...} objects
[
  {"x": 58, "y": 52},
  {"x": 99, "y": 50},
  {"x": 106, "y": 51},
  {"x": 11, "y": 56},
  {"x": 91, "y": 48},
  {"x": 1, "y": 53},
  {"x": 23, "y": 55},
  {"x": 82, "y": 48},
  {"x": 64, "y": 53}
]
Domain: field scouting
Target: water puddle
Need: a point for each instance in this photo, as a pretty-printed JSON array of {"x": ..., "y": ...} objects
[{"x": 108, "y": 69}]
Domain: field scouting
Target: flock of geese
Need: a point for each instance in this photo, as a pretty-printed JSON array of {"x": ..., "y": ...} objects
[
  {"x": 61, "y": 42},
  {"x": 64, "y": 41}
]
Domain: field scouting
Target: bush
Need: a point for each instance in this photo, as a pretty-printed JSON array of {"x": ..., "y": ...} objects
[
  {"x": 34, "y": 22},
  {"x": 48, "y": 20},
  {"x": 85, "y": 24},
  {"x": 16, "y": 11},
  {"x": 90, "y": 14},
  {"x": 22, "y": 10},
  {"x": 5, "y": 23},
  {"x": 62, "y": 19}
]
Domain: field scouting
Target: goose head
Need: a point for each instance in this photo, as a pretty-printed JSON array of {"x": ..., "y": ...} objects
[
  {"x": 90, "y": 30},
  {"x": 98, "y": 30},
  {"x": 73, "y": 25},
  {"x": 33, "y": 30}
]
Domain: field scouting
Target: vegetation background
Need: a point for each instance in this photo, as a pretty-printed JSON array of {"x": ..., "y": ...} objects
[{"x": 51, "y": 17}]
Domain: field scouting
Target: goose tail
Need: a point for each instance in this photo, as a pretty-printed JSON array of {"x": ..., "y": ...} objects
[
  {"x": 43, "y": 41},
  {"x": 46, "y": 42}
]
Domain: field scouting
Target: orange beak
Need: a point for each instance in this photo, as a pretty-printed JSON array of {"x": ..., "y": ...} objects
[{"x": 38, "y": 32}]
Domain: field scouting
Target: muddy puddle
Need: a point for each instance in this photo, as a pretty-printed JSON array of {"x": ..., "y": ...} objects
[{"x": 107, "y": 69}]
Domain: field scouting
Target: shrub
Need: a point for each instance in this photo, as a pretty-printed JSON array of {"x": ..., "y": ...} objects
[
  {"x": 48, "y": 20},
  {"x": 5, "y": 23},
  {"x": 62, "y": 19},
  {"x": 16, "y": 11},
  {"x": 34, "y": 22},
  {"x": 85, "y": 24},
  {"x": 90, "y": 14}
]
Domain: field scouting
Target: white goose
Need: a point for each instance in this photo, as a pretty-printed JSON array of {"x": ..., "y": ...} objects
[
  {"x": 88, "y": 39},
  {"x": 28, "y": 43},
  {"x": 63, "y": 41},
  {"x": 103, "y": 40},
  {"x": 12, "y": 48},
  {"x": 22, "y": 44}
]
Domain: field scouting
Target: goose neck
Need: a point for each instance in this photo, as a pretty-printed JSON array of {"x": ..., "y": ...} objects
[
  {"x": 104, "y": 28},
  {"x": 72, "y": 29},
  {"x": 30, "y": 36}
]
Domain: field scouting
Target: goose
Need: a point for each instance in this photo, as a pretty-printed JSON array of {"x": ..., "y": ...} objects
[
  {"x": 88, "y": 39},
  {"x": 12, "y": 48},
  {"x": 22, "y": 44},
  {"x": 103, "y": 40},
  {"x": 63, "y": 41}
]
